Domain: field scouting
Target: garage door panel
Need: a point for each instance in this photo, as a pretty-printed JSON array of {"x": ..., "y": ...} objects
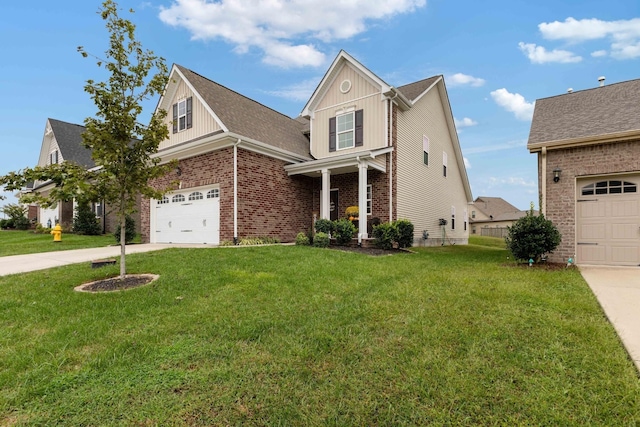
[
  {"x": 623, "y": 209},
  {"x": 592, "y": 254},
  {"x": 188, "y": 221},
  {"x": 626, "y": 231},
  {"x": 593, "y": 231},
  {"x": 624, "y": 254}
]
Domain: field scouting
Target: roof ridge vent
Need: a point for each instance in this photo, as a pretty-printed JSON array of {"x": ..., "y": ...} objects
[
  {"x": 601, "y": 80},
  {"x": 570, "y": 90}
]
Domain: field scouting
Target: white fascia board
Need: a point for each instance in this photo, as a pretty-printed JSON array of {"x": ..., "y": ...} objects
[{"x": 351, "y": 159}]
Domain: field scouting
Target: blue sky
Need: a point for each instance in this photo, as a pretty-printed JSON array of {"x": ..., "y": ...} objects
[{"x": 497, "y": 57}]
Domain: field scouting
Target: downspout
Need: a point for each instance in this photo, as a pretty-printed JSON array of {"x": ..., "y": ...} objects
[
  {"x": 390, "y": 136},
  {"x": 543, "y": 183},
  {"x": 235, "y": 192}
]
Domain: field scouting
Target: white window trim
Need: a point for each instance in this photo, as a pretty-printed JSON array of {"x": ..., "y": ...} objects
[
  {"x": 425, "y": 149},
  {"x": 369, "y": 199},
  {"x": 352, "y": 131},
  {"x": 444, "y": 163},
  {"x": 182, "y": 103}
]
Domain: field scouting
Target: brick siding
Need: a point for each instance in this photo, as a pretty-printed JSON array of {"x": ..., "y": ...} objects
[{"x": 579, "y": 162}]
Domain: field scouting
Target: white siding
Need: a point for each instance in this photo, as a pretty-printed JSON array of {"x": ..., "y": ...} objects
[
  {"x": 203, "y": 122},
  {"x": 363, "y": 95},
  {"x": 424, "y": 194}
]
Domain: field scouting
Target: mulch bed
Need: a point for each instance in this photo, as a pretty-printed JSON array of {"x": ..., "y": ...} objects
[
  {"x": 541, "y": 266},
  {"x": 111, "y": 284}
]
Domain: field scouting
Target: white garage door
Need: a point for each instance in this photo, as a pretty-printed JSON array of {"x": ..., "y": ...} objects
[
  {"x": 608, "y": 221},
  {"x": 48, "y": 217},
  {"x": 188, "y": 217}
]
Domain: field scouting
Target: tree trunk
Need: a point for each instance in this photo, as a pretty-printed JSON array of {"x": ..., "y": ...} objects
[{"x": 123, "y": 237}]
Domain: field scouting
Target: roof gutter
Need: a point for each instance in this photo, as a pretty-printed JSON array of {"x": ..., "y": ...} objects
[
  {"x": 395, "y": 95},
  {"x": 582, "y": 141}
]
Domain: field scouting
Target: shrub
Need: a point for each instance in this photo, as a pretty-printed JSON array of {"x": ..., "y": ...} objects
[
  {"x": 21, "y": 223},
  {"x": 324, "y": 226},
  {"x": 385, "y": 234},
  {"x": 257, "y": 240},
  {"x": 405, "y": 233},
  {"x": 17, "y": 217},
  {"x": 352, "y": 212},
  {"x": 85, "y": 221},
  {"x": 343, "y": 231},
  {"x": 6, "y": 223},
  {"x": 321, "y": 240},
  {"x": 41, "y": 229},
  {"x": 302, "y": 239},
  {"x": 129, "y": 230},
  {"x": 532, "y": 236}
]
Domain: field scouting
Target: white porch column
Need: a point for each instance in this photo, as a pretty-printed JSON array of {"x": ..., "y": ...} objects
[
  {"x": 326, "y": 188},
  {"x": 362, "y": 201}
]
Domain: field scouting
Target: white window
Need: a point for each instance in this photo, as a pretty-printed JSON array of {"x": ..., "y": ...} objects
[
  {"x": 177, "y": 198},
  {"x": 196, "y": 196},
  {"x": 453, "y": 217},
  {"x": 466, "y": 218},
  {"x": 212, "y": 194},
  {"x": 425, "y": 149},
  {"x": 163, "y": 201},
  {"x": 444, "y": 164},
  {"x": 53, "y": 157},
  {"x": 345, "y": 131},
  {"x": 182, "y": 115},
  {"x": 97, "y": 209},
  {"x": 369, "y": 198}
]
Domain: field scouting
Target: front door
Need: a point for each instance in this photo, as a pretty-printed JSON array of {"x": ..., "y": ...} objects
[{"x": 333, "y": 205}]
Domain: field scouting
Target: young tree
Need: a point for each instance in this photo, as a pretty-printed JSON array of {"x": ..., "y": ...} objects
[{"x": 532, "y": 236}]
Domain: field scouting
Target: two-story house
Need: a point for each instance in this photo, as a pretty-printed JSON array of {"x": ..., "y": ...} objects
[{"x": 247, "y": 170}]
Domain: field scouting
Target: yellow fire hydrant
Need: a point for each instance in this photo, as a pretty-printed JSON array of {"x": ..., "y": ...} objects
[{"x": 57, "y": 233}]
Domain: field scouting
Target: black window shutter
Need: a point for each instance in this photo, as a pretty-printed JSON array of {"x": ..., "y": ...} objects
[
  {"x": 332, "y": 134},
  {"x": 175, "y": 118},
  {"x": 189, "y": 121},
  {"x": 358, "y": 129}
]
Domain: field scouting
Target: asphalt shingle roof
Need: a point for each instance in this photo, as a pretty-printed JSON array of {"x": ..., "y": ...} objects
[
  {"x": 69, "y": 139},
  {"x": 415, "y": 89},
  {"x": 588, "y": 113},
  {"x": 494, "y": 206},
  {"x": 249, "y": 118}
]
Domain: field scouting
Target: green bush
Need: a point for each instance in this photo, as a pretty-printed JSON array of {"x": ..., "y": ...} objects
[
  {"x": 343, "y": 231},
  {"x": 257, "y": 240},
  {"x": 405, "y": 233},
  {"x": 17, "y": 217},
  {"x": 41, "y": 229},
  {"x": 129, "y": 230},
  {"x": 6, "y": 223},
  {"x": 532, "y": 236},
  {"x": 324, "y": 226},
  {"x": 85, "y": 221},
  {"x": 321, "y": 240},
  {"x": 302, "y": 239},
  {"x": 385, "y": 234}
]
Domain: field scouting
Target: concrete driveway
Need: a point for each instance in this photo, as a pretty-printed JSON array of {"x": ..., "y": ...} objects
[{"x": 618, "y": 292}]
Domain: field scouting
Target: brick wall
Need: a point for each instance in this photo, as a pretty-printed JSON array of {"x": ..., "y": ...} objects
[
  {"x": 270, "y": 203},
  {"x": 575, "y": 163}
]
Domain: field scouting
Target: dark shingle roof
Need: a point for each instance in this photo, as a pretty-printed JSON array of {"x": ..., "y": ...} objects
[
  {"x": 415, "y": 89},
  {"x": 588, "y": 113},
  {"x": 249, "y": 118},
  {"x": 494, "y": 206},
  {"x": 69, "y": 139}
]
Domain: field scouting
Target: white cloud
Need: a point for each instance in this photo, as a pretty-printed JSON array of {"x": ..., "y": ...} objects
[
  {"x": 496, "y": 147},
  {"x": 514, "y": 102},
  {"x": 623, "y": 34},
  {"x": 465, "y": 122},
  {"x": 277, "y": 27},
  {"x": 460, "y": 79},
  {"x": 540, "y": 55},
  {"x": 599, "y": 53},
  {"x": 515, "y": 181},
  {"x": 298, "y": 91}
]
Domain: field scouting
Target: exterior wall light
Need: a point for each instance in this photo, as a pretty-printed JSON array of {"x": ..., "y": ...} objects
[
  {"x": 556, "y": 175},
  {"x": 178, "y": 171}
]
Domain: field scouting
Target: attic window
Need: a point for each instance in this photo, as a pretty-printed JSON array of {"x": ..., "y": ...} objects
[
  {"x": 182, "y": 116},
  {"x": 345, "y": 86},
  {"x": 53, "y": 157}
]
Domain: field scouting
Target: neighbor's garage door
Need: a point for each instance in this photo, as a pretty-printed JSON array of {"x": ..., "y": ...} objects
[
  {"x": 608, "y": 221},
  {"x": 188, "y": 217}
]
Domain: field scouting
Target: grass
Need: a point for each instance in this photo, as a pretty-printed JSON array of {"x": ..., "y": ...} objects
[
  {"x": 492, "y": 242},
  {"x": 305, "y": 336},
  {"x": 14, "y": 242}
]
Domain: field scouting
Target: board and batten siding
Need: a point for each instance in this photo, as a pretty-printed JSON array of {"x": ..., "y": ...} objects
[
  {"x": 203, "y": 121},
  {"x": 424, "y": 194},
  {"x": 363, "y": 95}
]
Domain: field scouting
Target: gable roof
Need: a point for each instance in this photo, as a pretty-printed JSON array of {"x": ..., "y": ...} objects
[
  {"x": 69, "y": 139},
  {"x": 601, "y": 114},
  {"x": 494, "y": 206},
  {"x": 413, "y": 90},
  {"x": 249, "y": 118}
]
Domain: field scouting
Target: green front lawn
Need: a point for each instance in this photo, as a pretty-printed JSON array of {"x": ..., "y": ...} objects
[
  {"x": 304, "y": 336},
  {"x": 14, "y": 242}
]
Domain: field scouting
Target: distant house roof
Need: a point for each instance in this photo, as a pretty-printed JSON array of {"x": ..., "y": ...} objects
[
  {"x": 497, "y": 209},
  {"x": 69, "y": 139},
  {"x": 249, "y": 118},
  {"x": 593, "y": 114}
]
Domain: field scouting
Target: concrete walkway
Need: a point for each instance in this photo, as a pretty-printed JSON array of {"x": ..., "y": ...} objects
[
  {"x": 618, "y": 292},
  {"x": 40, "y": 261}
]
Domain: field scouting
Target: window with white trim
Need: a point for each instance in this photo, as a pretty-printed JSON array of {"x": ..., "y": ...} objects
[
  {"x": 182, "y": 115},
  {"x": 345, "y": 130},
  {"x": 453, "y": 217},
  {"x": 196, "y": 196},
  {"x": 163, "y": 201},
  {"x": 609, "y": 187},
  {"x": 177, "y": 198},
  {"x": 466, "y": 218},
  {"x": 53, "y": 157},
  {"x": 369, "y": 198},
  {"x": 444, "y": 164},
  {"x": 425, "y": 150},
  {"x": 213, "y": 194}
]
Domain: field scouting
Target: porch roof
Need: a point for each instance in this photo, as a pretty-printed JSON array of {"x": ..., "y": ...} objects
[{"x": 341, "y": 164}]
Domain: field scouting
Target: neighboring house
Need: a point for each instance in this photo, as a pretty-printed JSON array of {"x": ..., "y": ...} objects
[
  {"x": 62, "y": 141},
  {"x": 588, "y": 147},
  {"x": 493, "y": 212},
  {"x": 247, "y": 170}
]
